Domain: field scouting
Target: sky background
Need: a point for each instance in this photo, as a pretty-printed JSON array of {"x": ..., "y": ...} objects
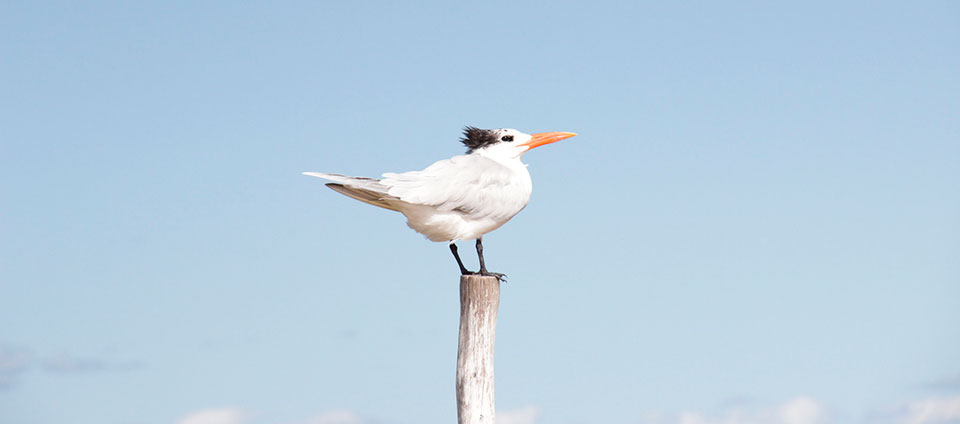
[{"x": 758, "y": 223}]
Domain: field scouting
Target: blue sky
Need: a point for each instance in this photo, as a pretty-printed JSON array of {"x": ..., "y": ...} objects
[{"x": 758, "y": 223}]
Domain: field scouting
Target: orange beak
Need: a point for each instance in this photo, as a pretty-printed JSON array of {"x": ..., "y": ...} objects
[{"x": 547, "y": 138}]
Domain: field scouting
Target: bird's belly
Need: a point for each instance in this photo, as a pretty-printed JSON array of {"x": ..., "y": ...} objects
[{"x": 453, "y": 225}]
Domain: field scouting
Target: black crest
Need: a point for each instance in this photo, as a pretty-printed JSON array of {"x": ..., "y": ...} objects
[{"x": 475, "y": 138}]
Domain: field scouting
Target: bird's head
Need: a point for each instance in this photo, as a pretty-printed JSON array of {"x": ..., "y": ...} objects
[{"x": 507, "y": 143}]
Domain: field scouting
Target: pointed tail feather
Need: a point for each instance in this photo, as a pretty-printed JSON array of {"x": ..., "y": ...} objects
[
  {"x": 366, "y": 196},
  {"x": 367, "y": 190}
]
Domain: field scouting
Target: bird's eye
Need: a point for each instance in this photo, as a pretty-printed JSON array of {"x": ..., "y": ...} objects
[{"x": 507, "y": 138}]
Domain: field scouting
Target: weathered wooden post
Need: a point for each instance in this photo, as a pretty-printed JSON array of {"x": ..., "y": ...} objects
[{"x": 479, "y": 301}]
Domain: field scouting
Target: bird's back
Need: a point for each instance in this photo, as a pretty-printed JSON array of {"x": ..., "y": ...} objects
[{"x": 460, "y": 198}]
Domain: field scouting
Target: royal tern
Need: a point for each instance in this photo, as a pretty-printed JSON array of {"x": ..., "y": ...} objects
[{"x": 461, "y": 198}]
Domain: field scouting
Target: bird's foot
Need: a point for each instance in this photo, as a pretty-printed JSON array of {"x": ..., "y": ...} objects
[
  {"x": 501, "y": 277},
  {"x": 484, "y": 273}
]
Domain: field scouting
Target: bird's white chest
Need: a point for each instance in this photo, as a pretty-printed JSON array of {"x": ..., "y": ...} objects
[
  {"x": 503, "y": 199},
  {"x": 475, "y": 208}
]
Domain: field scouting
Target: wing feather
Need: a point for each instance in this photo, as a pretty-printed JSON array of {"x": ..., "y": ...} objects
[
  {"x": 366, "y": 196},
  {"x": 469, "y": 184},
  {"x": 367, "y": 190}
]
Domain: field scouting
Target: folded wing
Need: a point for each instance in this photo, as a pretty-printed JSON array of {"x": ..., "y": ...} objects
[{"x": 469, "y": 184}]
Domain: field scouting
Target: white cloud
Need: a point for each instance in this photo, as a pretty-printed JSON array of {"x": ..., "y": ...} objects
[
  {"x": 336, "y": 417},
  {"x": 228, "y": 415},
  {"x": 525, "y": 415},
  {"x": 799, "y": 410},
  {"x": 937, "y": 410}
]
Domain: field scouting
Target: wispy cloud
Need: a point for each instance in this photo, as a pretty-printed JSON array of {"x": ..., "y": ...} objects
[
  {"x": 13, "y": 361},
  {"x": 336, "y": 417},
  {"x": 65, "y": 363},
  {"x": 225, "y": 415},
  {"x": 799, "y": 410},
  {"x": 933, "y": 410},
  {"x": 524, "y": 415}
]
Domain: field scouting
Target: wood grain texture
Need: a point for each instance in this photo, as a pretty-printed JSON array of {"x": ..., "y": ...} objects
[{"x": 479, "y": 301}]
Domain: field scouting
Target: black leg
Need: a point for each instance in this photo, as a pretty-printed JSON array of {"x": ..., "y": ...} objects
[
  {"x": 483, "y": 266},
  {"x": 463, "y": 270}
]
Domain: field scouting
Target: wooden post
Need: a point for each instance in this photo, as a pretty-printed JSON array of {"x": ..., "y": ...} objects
[{"x": 479, "y": 301}]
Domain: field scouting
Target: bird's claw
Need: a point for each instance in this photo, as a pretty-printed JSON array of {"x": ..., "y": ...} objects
[{"x": 500, "y": 277}]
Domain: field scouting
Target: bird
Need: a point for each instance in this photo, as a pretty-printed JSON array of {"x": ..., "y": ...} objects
[{"x": 460, "y": 198}]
